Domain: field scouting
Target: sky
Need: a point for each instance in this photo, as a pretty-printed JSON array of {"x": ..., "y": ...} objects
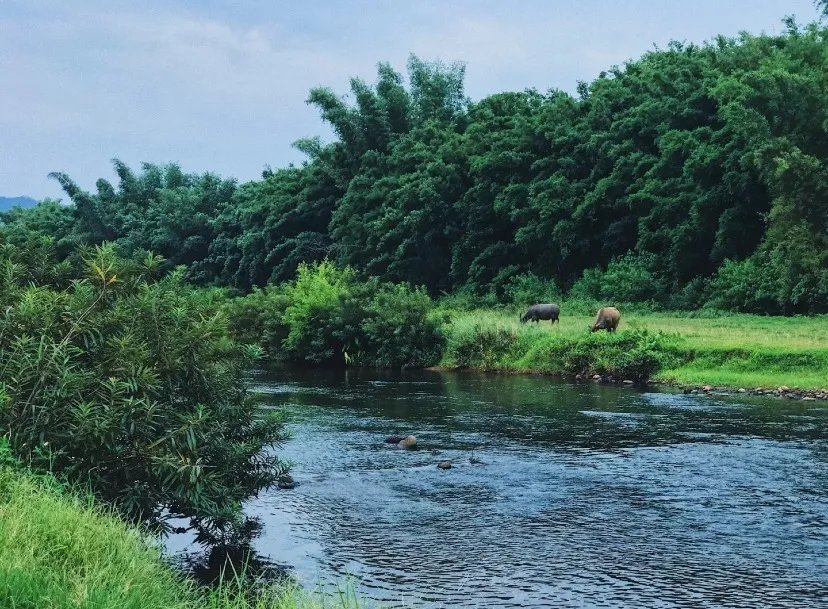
[{"x": 221, "y": 86}]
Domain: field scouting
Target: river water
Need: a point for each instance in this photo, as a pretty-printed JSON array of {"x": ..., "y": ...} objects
[{"x": 560, "y": 495}]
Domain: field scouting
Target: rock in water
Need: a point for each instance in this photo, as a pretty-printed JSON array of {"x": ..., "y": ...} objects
[
  {"x": 408, "y": 442},
  {"x": 286, "y": 482},
  {"x": 394, "y": 439},
  {"x": 444, "y": 465}
]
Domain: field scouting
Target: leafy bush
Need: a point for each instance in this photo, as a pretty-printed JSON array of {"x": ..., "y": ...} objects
[
  {"x": 132, "y": 386},
  {"x": 529, "y": 289},
  {"x": 742, "y": 286},
  {"x": 782, "y": 281},
  {"x": 328, "y": 316},
  {"x": 322, "y": 317},
  {"x": 476, "y": 344},
  {"x": 630, "y": 278},
  {"x": 466, "y": 299},
  {"x": 691, "y": 297},
  {"x": 256, "y": 319},
  {"x": 399, "y": 329}
]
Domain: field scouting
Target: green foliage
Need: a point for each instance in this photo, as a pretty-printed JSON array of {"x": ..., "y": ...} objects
[
  {"x": 479, "y": 345},
  {"x": 484, "y": 343},
  {"x": 256, "y": 319},
  {"x": 640, "y": 187},
  {"x": 48, "y": 218},
  {"x": 322, "y": 316},
  {"x": 626, "y": 279},
  {"x": 399, "y": 329},
  {"x": 128, "y": 383},
  {"x": 271, "y": 226},
  {"x": 63, "y": 552},
  {"x": 162, "y": 210},
  {"x": 633, "y": 355},
  {"x": 783, "y": 280},
  {"x": 328, "y": 316},
  {"x": 528, "y": 289}
]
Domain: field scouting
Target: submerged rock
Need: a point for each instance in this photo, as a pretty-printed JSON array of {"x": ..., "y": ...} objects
[
  {"x": 444, "y": 465},
  {"x": 394, "y": 439},
  {"x": 408, "y": 442},
  {"x": 286, "y": 482}
]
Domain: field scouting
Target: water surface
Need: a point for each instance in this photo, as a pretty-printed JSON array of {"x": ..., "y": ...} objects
[{"x": 560, "y": 495}]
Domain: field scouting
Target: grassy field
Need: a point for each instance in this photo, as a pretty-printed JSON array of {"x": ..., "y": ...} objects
[
  {"x": 721, "y": 350},
  {"x": 61, "y": 552}
]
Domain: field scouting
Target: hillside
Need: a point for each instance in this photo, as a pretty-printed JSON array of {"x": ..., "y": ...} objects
[{"x": 7, "y": 203}]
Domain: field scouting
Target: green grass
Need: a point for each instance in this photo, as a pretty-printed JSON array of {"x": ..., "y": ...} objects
[
  {"x": 58, "y": 551},
  {"x": 716, "y": 349}
]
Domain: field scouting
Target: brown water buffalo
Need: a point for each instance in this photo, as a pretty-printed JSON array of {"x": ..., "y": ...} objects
[
  {"x": 542, "y": 311},
  {"x": 607, "y": 319}
]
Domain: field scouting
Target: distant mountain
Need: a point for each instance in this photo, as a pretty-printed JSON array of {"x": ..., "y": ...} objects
[{"x": 7, "y": 203}]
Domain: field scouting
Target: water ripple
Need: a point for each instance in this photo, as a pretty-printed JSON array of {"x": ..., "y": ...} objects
[{"x": 559, "y": 496}]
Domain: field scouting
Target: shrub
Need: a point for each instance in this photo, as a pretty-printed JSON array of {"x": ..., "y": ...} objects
[
  {"x": 743, "y": 286},
  {"x": 133, "y": 387},
  {"x": 630, "y": 278},
  {"x": 322, "y": 317},
  {"x": 474, "y": 344},
  {"x": 328, "y": 316},
  {"x": 256, "y": 319},
  {"x": 528, "y": 289},
  {"x": 691, "y": 297},
  {"x": 465, "y": 299},
  {"x": 399, "y": 330},
  {"x": 782, "y": 281}
]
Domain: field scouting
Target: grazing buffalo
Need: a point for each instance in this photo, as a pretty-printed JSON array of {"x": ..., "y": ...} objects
[
  {"x": 542, "y": 311},
  {"x": 607, "y": 319}
]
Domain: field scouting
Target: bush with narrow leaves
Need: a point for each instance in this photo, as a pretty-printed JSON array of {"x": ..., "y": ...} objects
[{"x": 128, "y": 382}]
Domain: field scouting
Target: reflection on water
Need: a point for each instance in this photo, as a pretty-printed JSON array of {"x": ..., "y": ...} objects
[{"x": 559, "y": 496}]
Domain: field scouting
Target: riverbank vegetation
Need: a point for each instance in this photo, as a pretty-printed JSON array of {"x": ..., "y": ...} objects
[
  {"x": 329, "y": 316},
  {"x": 124, "y": 379},
  {"x": 733, "y": 350},
  {"x": 62, "y": 551}
]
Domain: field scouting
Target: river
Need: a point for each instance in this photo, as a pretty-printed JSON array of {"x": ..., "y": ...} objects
[{"x": 560, "y": 495}]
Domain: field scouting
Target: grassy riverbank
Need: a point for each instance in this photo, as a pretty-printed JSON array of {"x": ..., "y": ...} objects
[
  {"x": 746, "y": 351},
  {"x": 59, "y": 551}
]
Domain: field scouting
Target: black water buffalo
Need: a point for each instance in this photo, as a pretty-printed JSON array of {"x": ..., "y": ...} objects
[
  {"x": 607, "y": 319},
  {"x": 542, "y": 311}
]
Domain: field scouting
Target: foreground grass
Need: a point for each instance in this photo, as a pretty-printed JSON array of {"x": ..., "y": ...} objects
[
  {"x": 58, "y": 551},
  {"x": 731, "y": 350}
]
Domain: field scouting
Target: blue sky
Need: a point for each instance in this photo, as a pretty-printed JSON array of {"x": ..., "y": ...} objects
[{"x": 221, "y": 86}]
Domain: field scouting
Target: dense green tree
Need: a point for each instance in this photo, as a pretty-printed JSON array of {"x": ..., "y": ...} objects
[
  {"x": 162, "y": 210},
  {"x": 271, "y": 226},
  {"x": 688, "y": 161}
]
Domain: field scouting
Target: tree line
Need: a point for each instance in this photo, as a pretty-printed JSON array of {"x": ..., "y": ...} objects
[{"x": 695, "y": 175}]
